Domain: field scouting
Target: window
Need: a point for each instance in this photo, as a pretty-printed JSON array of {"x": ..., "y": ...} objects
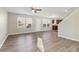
[
  {"x": 28, "y": 22},
  {"x": 23, "y": 22}
]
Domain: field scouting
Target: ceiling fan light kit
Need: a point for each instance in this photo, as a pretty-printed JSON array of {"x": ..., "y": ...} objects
[{"x": 36, "y": 9}]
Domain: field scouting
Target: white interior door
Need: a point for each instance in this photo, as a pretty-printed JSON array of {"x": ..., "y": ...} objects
[
  {"x": 49, "y": 24},
  {"x": 38, "y": 24},
  {"x": 44, "y": 24}
]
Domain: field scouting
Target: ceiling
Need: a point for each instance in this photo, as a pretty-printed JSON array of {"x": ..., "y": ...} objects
[{"x": 50, "y": 12}]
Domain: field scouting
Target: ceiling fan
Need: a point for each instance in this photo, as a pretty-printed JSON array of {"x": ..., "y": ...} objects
[{"x": 36, "y": 9}]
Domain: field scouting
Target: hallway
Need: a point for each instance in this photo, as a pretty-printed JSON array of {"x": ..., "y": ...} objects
[{"x": 28, "y": 43}]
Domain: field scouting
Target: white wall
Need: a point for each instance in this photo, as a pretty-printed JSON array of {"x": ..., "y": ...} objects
[
  {"x": 38, "y": 26},
  {"x": 13, "y": 24},
  {"x": 69, "y": 27},
  {"x": 3, "y": 25}
]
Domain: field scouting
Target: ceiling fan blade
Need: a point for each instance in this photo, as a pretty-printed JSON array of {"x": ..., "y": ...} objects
[
  {"x": 38, "y": 9},
  {"x": 33, "y": 8}
]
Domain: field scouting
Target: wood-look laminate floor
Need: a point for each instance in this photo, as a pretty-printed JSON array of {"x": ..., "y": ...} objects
[{"x": 28, "y": 43}]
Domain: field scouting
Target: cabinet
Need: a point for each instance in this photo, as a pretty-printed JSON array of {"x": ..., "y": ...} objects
[
  {"x": 55, "y": 27},
  {"x": 55, "y": 24}
]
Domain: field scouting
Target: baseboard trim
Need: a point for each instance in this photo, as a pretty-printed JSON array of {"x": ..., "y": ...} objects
[
  {"x": 17, "y": 33},
  {"x": 68, "y": 38},
  {"x": 2, "y": 42},
  {"x": 27, "y": 32}
]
